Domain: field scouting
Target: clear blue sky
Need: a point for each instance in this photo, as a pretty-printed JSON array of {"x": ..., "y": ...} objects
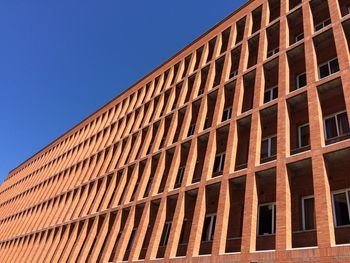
[{"x": 62, "y": 60}]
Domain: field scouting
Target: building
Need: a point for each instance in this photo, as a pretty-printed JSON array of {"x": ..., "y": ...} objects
[{"x": 234, "y": 150}]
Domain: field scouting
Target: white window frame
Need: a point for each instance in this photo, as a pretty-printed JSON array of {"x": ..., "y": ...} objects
[
  {"x": 328, "y": 63},
  {"x": 269, "y": 138},
  {"x": 298, "y": 81},
  {"x": 346, "y": 191},
  {"x": 335, "y": 115},
  {"x": 228, "y": 114},
  {"x": 191, "y": 129},
  {"x": 296, "y": 39},
  {"x": 211, "y": 226},
  {"x": 182, "y": 169},
  {"x": 167, "y": 225},
  {"x": 272, "y": 52},
  {"x": 270, "y": 90},
  {"x": 323, "y": 24},
  {"x": 303, "y": 209},
  {"x": 221, "y": 163},
  {"x": 273, "y": 232},
  {"x": 299, "y": 134}
]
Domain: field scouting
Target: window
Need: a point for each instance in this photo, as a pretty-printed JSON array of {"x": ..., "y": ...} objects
[
  {"x": 233, "y": 74},
  {"x": 209, "y": 227},
  {"x": 271, "y": 94},
  {"x": 299, "y": 37},
  {"x": 200, "y": 92},
  {"x": 182, "y": 235},
  {"x": 308, "y": 212},
  {"x": 149, "y": 148},
  {"x": 180, "y": 175},
  {"x": 165, "y": 234},
  {"x": 341, "y": 207},
  {"x": 268, "y": 147},
  {"x": 134, "y": 192},
  {"x": 336, "y": 125},
  {"x": 161, "y": 113},
  {"x": 304, "y": 135},
  {"x": 349, "y": 9},
  {"x": 162, "y": 143},
  {"x": 131, "y": 240},
  {"x": 206, "y": 124},
  {"x": 273, "y": 52},
  {"x": 226, "y": 115},
  {"x": 219, "y": 163},
  {"x": 196, "y": 175},
  {"x": 267, "y": 219},
  {"x": 148, "y": 187},
  {"x": 301, "y": 80},
  {"x": 191, "y": 129},
  {"x": 322, "y": 24},
  {"x": 328, "y": 68}
]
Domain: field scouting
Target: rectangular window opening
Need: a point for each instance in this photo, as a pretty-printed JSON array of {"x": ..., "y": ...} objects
[
  {"x": 267, "y": 219},
  {"x": 209, "y": 228}
]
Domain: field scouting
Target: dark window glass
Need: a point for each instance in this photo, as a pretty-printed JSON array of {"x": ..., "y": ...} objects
[
  {"x": 182, "y": 235},
  {"x": 266, "y": 218},
  {"x": 191, "y": 130},
  {"x": 213, "y": 222},
  {"x": 273, "y": 146},
  {"x": 318, "y": 27},
  {"x": 309, "y": 213},
  {"x": 267, "y": 96},
  {"x": 196, "y": 175},
  {"x": 270, "y": 94},
  {"x": 275, "y": 93},
  {"x": 162, "y": 142},
  {"x": 206, "y": 124},
  {"x": 219, "y": 163},
  {"x": 226, "y": 114},
  {"x": 327, "y": 22},
  {"x": 206, "y": 227},
  {"x": 264, "y": 149},
  {"x": 131, "y": 240},
  {"x": 149, "y": 148},
  {"x": 343, "y": 123},
  {"x": 331, "y": 128},
  {"x": 165, "y": 234},
  {"x": 148, "y": 187},
  {"x": 209, "y": 228},
  {"x": 299, "y": 37},
  {"x": 324, "y": 71},
  {"x": 179, "y": 177},
  {"x": 301, "y": 81},
  {"x": 334, "y": 66},
  {"x": 233, "y": 73},
  {"x": 341, "y": 209},
  {"x": 304, "y": 136}
]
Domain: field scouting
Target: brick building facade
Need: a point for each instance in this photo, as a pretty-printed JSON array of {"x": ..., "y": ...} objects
[{"x": 234, "y": 150}]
